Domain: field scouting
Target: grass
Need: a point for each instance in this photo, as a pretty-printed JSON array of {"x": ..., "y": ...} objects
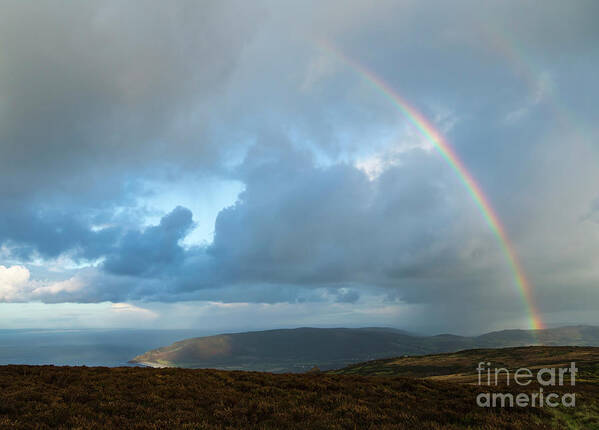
[{"x": 460, "y": 368}]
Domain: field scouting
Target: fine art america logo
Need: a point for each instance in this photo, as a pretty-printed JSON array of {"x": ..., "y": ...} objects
[{"x": 544, "y": 397}]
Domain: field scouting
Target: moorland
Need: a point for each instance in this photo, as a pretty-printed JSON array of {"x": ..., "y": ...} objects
[{"x": 428, "y": 392}]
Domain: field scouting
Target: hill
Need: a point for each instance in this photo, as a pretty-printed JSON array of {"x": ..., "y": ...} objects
[
  {"x": 47, "y": 397},
  {"x": 294, "y": 350},
  {"x": 437, "y": 393},
  {"x": 297, "y": 350},
  {"x": 462, "y": 366},
  {"x": 461, "y": 369}
]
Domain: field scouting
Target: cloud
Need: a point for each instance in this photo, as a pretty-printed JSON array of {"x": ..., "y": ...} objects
[
  {"x": 98, "y": 98},
  {"x": 297, "y": 223},
  {"x": 154, "y": 249},
  {"x": 104, "y": 110},
  {"x": 593, "y": 212},
  {"x": 12, "y": 281},
  {"x": 105, "y": 86},
  {"x": 129, "y": 309},
  {"x": 543, "y": 88},
  {"x": 68, "y": 286},
  {"x": 16, "y": 285}
]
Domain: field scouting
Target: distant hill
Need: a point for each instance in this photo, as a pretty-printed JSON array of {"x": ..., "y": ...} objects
[
  {"x": 293, "y": 350},
  {"x": 461, "y": 366},
  {"x": 298, "y": 350},
  {"x": 572, "y": 335}
]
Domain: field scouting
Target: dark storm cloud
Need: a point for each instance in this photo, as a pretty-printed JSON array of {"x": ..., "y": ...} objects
[
  {"x": 300, "y": 225},
  {"x": 96, "y": 97},
  {"x": 153, "y": 251},
  {"x": 91, "y": 87}
]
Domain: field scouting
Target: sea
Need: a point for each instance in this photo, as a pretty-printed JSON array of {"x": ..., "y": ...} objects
[{"x": 87, "y": 347}]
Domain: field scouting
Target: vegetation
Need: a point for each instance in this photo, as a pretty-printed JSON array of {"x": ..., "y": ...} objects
[
  {"x": 440, "y": 393},
  {"x": 298, "y": 350},
  {"x": 43, "y": 397},
  {"x": 460, "y": 368}
]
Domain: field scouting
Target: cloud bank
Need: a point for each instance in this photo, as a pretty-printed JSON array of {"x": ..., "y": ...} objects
[{"x": 342, "y": 200}]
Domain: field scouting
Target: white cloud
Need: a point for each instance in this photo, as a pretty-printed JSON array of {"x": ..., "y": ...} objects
[
  {"x": 129, "y": 309},
  {"x": 67, "y": 286},
  {"x": 16, "y": 285},
  {"x": 13, "y": 281},
  {"x": 403, "y": 142}
]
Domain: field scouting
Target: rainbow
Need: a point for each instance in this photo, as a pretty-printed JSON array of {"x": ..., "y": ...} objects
[{"x": 447, "y": 152}]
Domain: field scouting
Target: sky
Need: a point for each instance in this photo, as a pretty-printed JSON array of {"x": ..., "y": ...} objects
[{"x": 227, "y": 166}]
